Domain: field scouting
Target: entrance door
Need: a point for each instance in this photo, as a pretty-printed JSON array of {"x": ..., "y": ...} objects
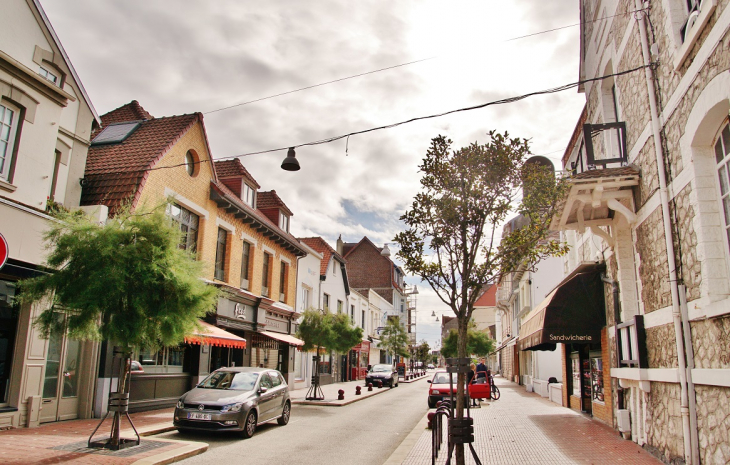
[{"x": 61, "y": 380}]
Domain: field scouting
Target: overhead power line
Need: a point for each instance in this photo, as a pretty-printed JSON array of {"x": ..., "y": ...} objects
[
  {"x": 418, "y": 118},
  {"x": 235, "y": 105}
]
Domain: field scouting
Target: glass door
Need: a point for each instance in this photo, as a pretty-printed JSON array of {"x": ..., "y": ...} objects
[{"x": 61, "y": 379}]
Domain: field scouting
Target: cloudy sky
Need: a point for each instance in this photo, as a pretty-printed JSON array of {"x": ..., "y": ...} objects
[{"x": 184, "y": 56}]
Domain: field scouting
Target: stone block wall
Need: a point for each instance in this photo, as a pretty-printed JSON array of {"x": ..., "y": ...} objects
[
  {"x": 685, "y": 242},
  {"x": 653, "y": 267},
  {"x": 711, "y": 342},
  {"x": 713, "y": 418},
  {"x": 661, "y": 347},
  {"x": 664, "y": 430},
  {"x": 649, "y": 181}
]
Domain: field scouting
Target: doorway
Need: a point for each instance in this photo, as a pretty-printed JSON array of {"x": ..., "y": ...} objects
[{"x": 61, "y": 379}]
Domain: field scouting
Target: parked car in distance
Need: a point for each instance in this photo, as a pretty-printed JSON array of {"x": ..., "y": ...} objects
[
  {"x": 234, "y": 399},
  {"x": 439, "y": 388},
  {"x": 388, "y": 374},
  {"x": 430, "y": 366}
]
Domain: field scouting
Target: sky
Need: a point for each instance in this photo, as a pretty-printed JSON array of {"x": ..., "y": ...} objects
[{"x": 185, "y": 56}]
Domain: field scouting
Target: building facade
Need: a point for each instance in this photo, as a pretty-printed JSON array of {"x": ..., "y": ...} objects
[
  {"x": 649, "y": 198},
  {"x": 46, "y": 120}
]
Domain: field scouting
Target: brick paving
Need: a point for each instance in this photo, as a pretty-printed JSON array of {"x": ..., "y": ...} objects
[
  {"x": 524, "y": 428},
  {"x": 59, "y": 442}
]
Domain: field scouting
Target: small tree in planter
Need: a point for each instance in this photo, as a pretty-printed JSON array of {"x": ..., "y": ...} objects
[
  {"x": 394, "y": 339},
  {"x": 323, "y": 329},
  {"x": 125, "y": 281}
]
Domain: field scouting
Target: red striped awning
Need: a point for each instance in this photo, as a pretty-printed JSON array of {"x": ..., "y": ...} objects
[{"x": 214, "y": 336}]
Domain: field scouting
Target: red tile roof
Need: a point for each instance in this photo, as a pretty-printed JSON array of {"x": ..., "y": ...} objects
[
  {"x": 234, "y": 169},
  {"x": 116, "y": 173},
  {"x": 132, "y": 111},
  {"x": 321, "y": 246},
  {"x": 270, "y": 199}
]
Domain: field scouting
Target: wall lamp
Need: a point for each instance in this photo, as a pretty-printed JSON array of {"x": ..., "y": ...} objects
[{"x": 290, "y": 163}]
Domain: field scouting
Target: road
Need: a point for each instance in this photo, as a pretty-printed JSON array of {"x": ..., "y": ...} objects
[{"x": 364, "y": 432}]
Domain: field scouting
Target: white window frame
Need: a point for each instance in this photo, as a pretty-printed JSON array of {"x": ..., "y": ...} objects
[
  {"x": 10, "y": 139},
  {"x": 724, "y": 163},
  {"x": 248, "y": 195},
  {"x": 283, "y": 222},
  {"x": 49, "y": 76}
]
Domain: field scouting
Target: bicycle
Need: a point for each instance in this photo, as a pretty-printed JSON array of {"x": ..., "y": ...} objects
[{"x": 494, "y": 390}]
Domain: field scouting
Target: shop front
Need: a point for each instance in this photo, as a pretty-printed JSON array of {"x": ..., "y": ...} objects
[
  {"x": 573, "y": 318},
  {"x": 359, "y": 360}
]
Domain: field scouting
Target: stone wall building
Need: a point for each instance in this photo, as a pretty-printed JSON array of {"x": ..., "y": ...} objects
[{"x": 650, "y": 199}]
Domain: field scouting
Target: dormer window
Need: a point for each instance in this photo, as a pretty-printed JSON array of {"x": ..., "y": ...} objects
[
  {"x": 49, "y": 75},
  {"x": 248, "y": 194},
  {"x": 283, "y": 222}
]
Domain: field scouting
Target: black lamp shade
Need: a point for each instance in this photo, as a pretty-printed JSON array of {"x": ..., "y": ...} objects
[{"x": 290, "y": 163}]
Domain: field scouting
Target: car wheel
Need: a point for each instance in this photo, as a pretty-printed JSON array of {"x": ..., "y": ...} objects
[
  {"x": 431, "y": 404},
  {"x": 249, "y": 425},
  {"x": 285, "y": 414},
  {"x": 183, "y": 431}
]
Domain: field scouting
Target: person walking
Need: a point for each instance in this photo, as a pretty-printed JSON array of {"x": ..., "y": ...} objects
[{"x": 469, "y": 377}]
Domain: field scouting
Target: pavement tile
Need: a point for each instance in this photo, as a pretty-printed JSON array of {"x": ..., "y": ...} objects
[{"x": 524, "y": 428}]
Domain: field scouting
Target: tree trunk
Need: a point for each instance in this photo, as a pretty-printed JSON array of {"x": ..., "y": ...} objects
[
  {"x": 461, "y": 380},
  {"x": 121, "y": 389}
]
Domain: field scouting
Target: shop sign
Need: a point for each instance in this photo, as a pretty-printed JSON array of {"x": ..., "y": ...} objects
[
  {"x": 239, "y": 311},
  {"x": 4, "y": 252},
  {"x": 275, "y": 321}
]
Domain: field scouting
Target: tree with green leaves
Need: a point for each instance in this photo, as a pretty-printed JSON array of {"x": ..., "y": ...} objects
[
  {"x": 423, "y": 351},
  {"x": 478, "y": 343},
  {"x": 321, "y": 330},
  {"x": 125, "y": 281},
  {"x": 451, "y": 241},
  {"x": 394, "y": 339}
]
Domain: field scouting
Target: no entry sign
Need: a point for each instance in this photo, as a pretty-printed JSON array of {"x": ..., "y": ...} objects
[{"x": 3, "y": 251}]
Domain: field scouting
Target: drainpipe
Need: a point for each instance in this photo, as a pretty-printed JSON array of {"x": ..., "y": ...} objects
[{"x": 689, "y": 454}]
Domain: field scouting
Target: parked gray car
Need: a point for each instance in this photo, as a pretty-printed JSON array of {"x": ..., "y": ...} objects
[
  {"x": 235, "y": 399},
  {"x": 382, "y": 372}
]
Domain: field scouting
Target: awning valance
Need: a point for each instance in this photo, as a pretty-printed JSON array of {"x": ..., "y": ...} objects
[
  {"x": 572, "y": 313},
  {"x": 214, "y": 336},
  {"x": 291, "y": 340}
]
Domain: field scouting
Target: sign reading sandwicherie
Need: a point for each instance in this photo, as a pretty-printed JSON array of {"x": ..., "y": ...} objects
[
  {"x": 4, "y": 251},
  {"x": 571, "y": 338}
]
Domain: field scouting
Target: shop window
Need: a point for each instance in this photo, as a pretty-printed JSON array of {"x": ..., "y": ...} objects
[
  {"x": 9, "y": 123},
  {"x": 597, "y": 379},
  {"x": 188, "y": 223},
  {"x": 166, "y": 360},
  {"x": 325, "y": 364},
  {"x": 220, "y": 255},
  {"x": 722, "y": 157},
  {"x": 245, "y": 266},
  {"x": 265, "y": 279}
]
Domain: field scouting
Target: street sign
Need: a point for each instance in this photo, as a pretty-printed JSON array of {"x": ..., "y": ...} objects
[{"x": 4, "y": 252}]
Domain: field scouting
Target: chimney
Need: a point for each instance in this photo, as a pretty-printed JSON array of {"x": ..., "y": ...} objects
[{"x": 340, "y": 246}]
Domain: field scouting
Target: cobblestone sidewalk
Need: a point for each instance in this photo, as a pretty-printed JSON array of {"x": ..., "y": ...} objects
[{"x": 524, "y": 428}]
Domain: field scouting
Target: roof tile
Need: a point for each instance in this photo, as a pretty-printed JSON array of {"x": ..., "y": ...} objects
[
  {"x": 321, "y": 246},
  {"x": 234, "y": 169}
]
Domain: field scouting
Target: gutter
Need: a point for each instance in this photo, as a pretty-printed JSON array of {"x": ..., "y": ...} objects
[{"x": 691, "y": 449}]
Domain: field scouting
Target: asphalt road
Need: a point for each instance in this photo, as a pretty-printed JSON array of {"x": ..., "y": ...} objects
[{"x": 365, "y": 432}]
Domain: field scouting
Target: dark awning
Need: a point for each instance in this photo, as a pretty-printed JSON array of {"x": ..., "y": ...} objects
[{"x": 572, "y": 313}]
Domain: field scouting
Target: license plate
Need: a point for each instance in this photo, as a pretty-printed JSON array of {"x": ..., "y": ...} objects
[{"x": 198, "y": 416}]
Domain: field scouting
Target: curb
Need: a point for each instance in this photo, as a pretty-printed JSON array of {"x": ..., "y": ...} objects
[
  {"x": 405, "y": 447},
  {"x": 338, "y": 403},
  {"x": 187, "y": 449}
]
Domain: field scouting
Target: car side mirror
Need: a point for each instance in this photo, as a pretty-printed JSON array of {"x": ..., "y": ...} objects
[{"x": 263, "y": 389}]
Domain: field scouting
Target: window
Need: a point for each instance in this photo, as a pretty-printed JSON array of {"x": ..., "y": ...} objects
[
  {"x": 352, "y": 313},
  {"x": 166, "y": 360},
  {"x": 334, "y": 267},
  {"x": 363, "y": 319},
  {"x": 245, "y": 265},
  {"x": 275, "y": 379},
  {"x": 220, "y": 255},
  {"x": 8, "y": 129},
  {"x": 722, "y": 156},
  {"x": 326, "y": 302},
  {"x": 283, "y": 222},
  {"x": 339, "y": 306},
  {"x": 282, "y": 282},
  {"x": 248, "y": 195},
  {"x": 191, "y": 163},
  {"x": 49, "y": 75},
  {"x": 188, "y": 222},
  {"x": 265, "y": 277},
  {"x": 305, "y": 298},
  {"x": 115, "y": 133}
]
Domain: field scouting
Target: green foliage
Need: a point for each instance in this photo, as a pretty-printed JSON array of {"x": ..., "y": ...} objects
[
  {"x": 124, "y": 281},
  {"x": 423, "y": 350},
  {"x": 323, "y": 329},
  {"x": 394, "y": 339},
  {"x": 478, "y": 344}
]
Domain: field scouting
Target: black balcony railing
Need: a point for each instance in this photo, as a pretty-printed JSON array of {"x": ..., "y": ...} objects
[{"x": 605, "y": 144}]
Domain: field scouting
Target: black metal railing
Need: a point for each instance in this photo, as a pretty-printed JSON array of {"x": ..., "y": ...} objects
[{"x": 605, "y": 144}]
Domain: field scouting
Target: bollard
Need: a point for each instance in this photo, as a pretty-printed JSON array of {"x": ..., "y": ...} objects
[
  {"x": 341, "y": 394},
  {"x": 357, "y": 390},
  {"x": 380, "y": 383},
  {"x": 430, "y": 419},
  {"x": 370, "y": 386}
]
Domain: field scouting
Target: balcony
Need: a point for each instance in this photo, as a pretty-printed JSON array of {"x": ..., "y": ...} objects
[{"x": 602, "y": 145}]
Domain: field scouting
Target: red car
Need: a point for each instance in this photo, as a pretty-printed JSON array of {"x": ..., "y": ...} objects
[{"x": 440, "y": 388}]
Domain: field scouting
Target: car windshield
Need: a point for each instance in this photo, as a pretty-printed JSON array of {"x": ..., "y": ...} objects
[
  {"x": 441, "y": 378},
  {"x": 382, "y": 369},
  {"x": 230, "y": 380}
]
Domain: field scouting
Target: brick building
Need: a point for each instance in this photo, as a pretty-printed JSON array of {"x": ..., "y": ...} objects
[{"x": 142, "y": 161}]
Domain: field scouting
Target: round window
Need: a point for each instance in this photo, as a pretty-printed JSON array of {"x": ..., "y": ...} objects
[{"x": 190, "y": 163}]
